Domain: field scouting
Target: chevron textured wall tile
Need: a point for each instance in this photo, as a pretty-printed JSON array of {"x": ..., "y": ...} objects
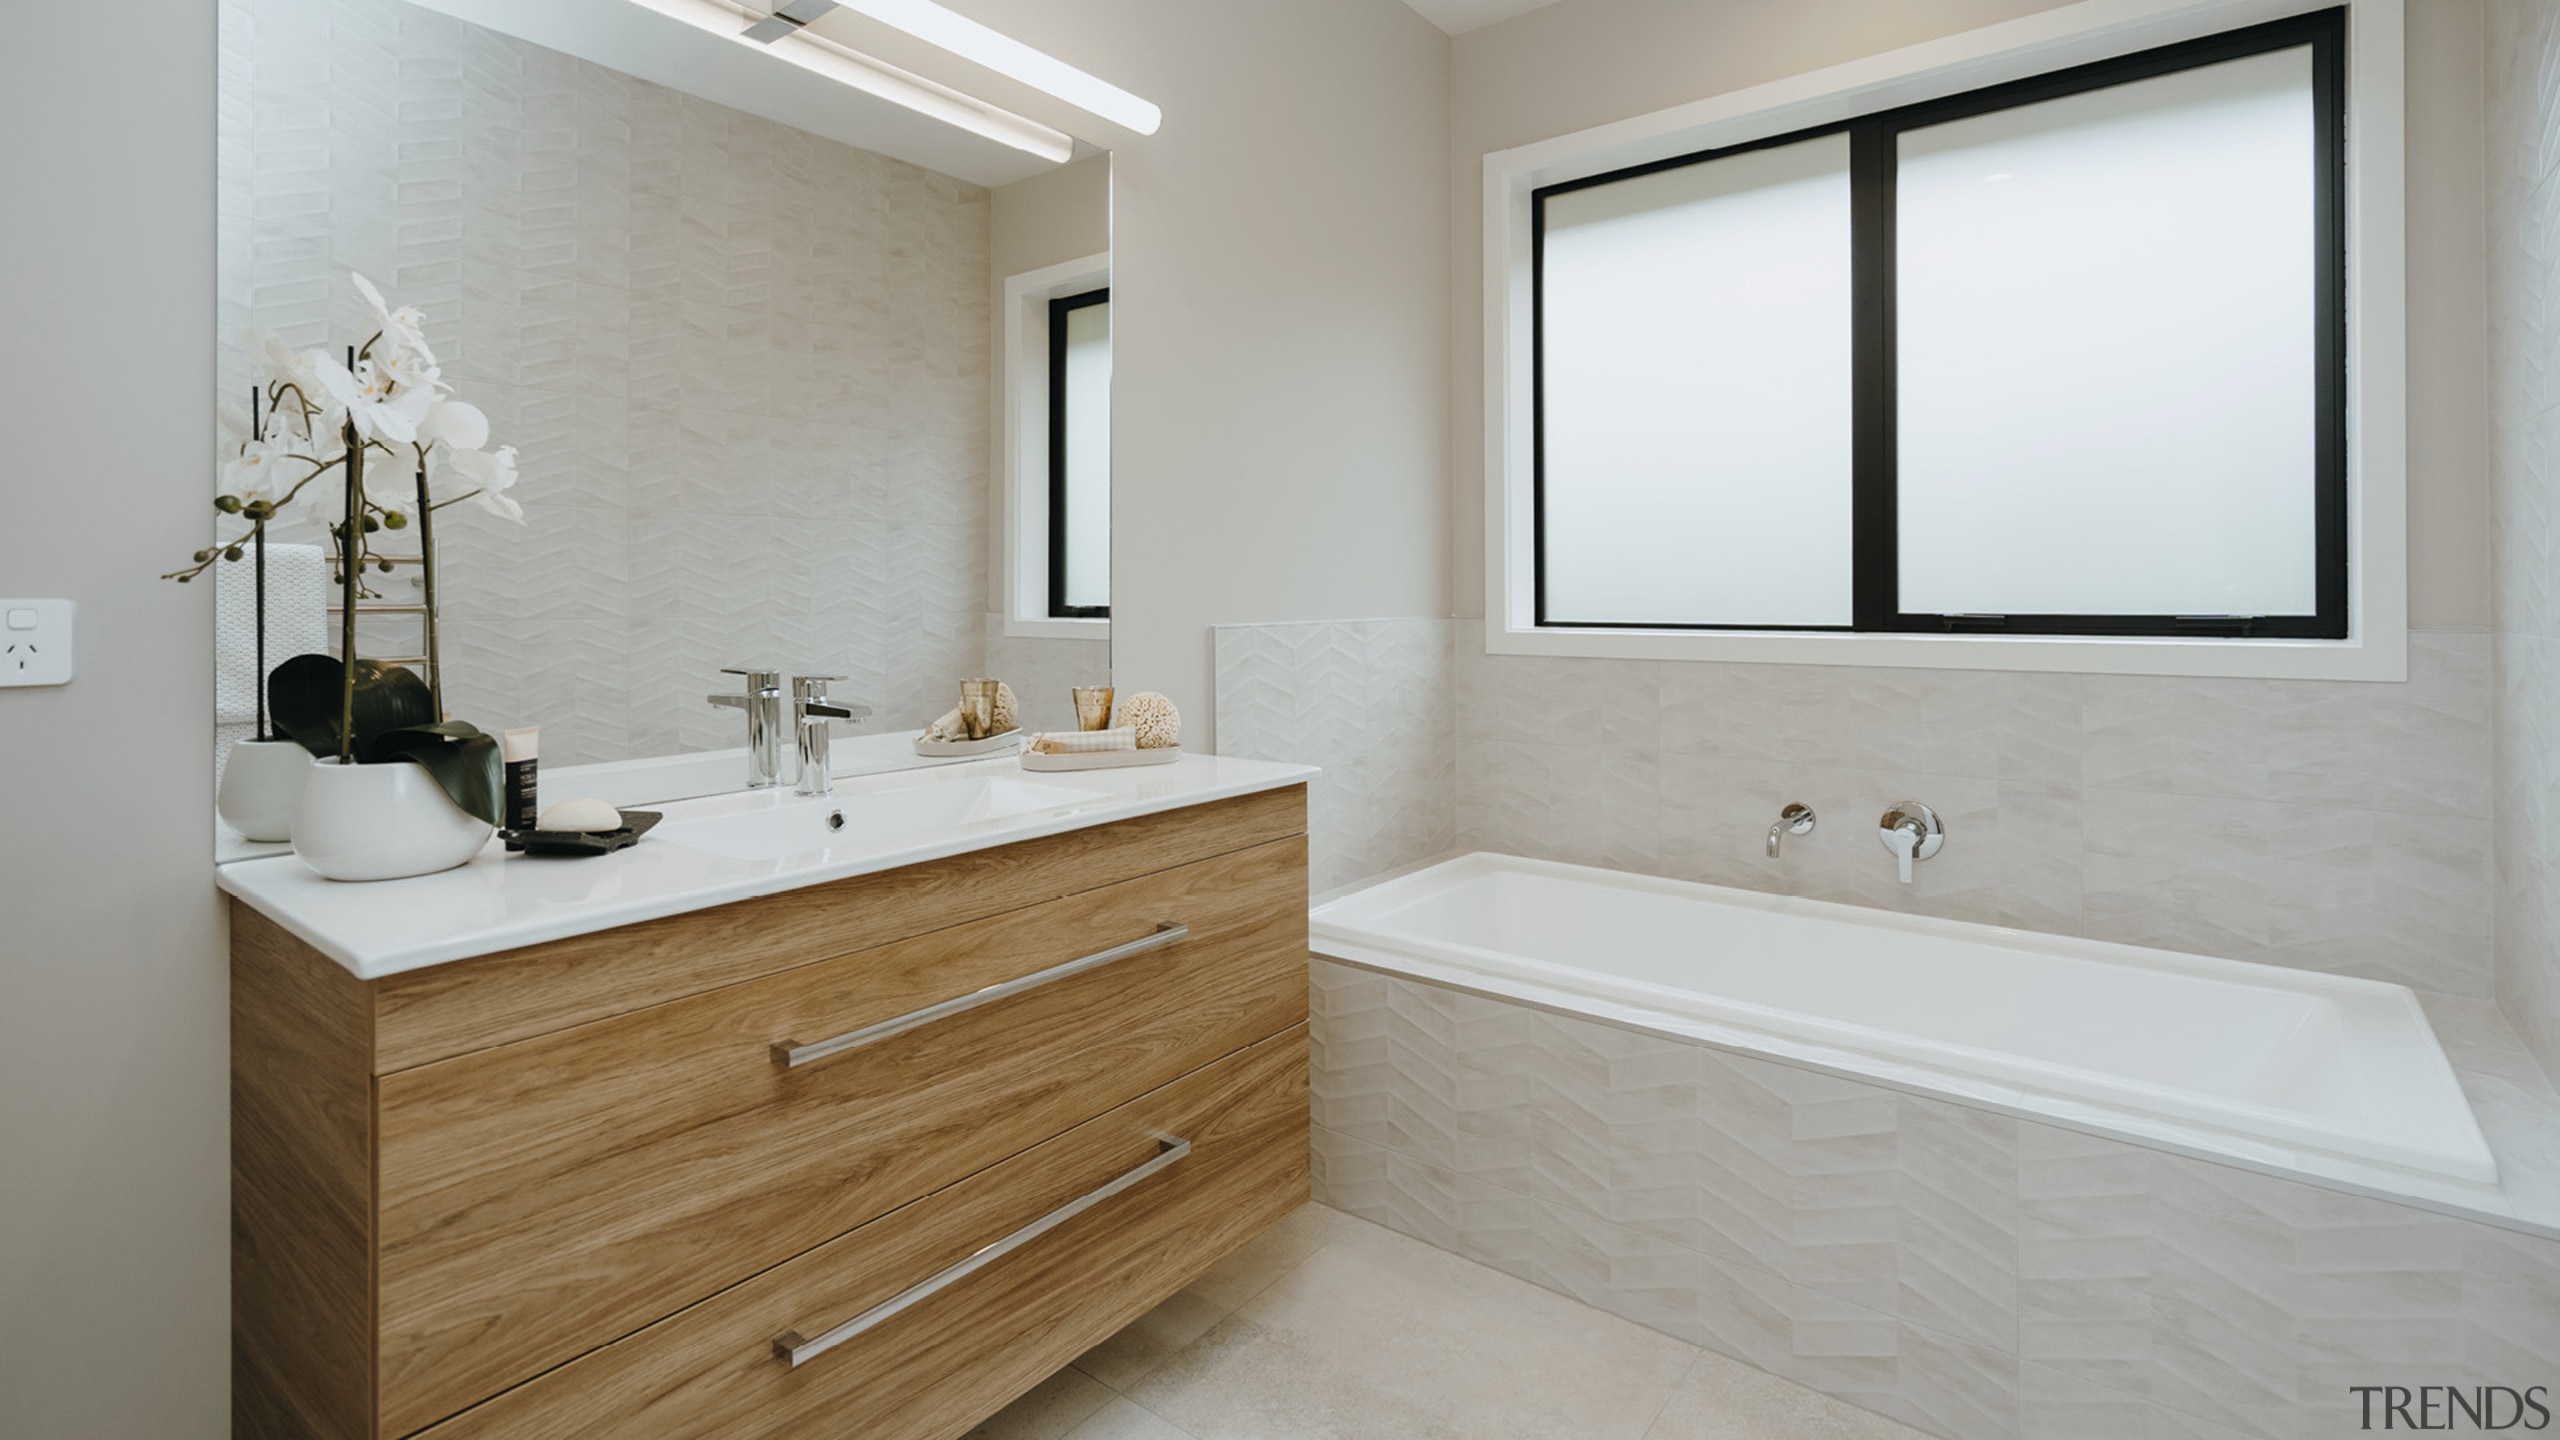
[
  {"x": 1368, "y": 700},
  {"x": 2522, "y": 109},
  {"x": 2341, "y": 827},
  {"x": 661, "y": 304},
  {"x": 1965, "y": 1272}
]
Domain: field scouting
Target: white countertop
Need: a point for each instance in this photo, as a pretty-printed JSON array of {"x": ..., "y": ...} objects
[{"x": 501, "y": 901}]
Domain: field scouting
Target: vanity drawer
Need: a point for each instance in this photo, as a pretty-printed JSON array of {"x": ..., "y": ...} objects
[
  {"x": 422, "y": 1016},
  {"x": 541, "y": 1198},
  {"x": 938, "y": 1366}
]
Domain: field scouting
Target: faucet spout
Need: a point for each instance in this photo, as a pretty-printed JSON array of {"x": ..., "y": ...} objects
[
  {"x": 1796, "y": 819},
  {"x": 762, "y": 702}
]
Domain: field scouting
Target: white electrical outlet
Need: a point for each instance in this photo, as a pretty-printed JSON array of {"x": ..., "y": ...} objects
[{"x": 35, "y": 642}]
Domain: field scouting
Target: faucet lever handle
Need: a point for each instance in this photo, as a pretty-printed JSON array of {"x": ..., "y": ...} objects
[
  {"x": 757, "y": 677},
  {"x": 1911, "y": 831},
  {"x": 813, "y": 687}
]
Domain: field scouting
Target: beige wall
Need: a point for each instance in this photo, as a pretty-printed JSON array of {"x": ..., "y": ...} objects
[
  {"x": 1284, "y": 339},
  {"x": 1587, "y": 62},
  {"x": 114, "y": 1191},
  {"x": 1279, "y": 318},
  {"x": 2448, "y": 320},
  {"x": 1049, "y": 219}
]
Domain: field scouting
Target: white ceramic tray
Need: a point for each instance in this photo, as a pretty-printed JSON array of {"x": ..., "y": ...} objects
[
  {"x": 1100, "y": 759},
  {"x": 942, "y": 749}
]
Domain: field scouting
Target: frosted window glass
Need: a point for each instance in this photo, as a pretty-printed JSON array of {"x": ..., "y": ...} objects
[
  {"x": 1088, "y": 506},
  {"x": 1696, "y": 410},
  {"x": 2105, "y": 311}
]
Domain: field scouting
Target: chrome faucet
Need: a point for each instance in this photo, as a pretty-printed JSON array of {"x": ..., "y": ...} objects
[
  {"x": 763, "y": 704},
  {"x": 1912, "y": 832},
  {"x": 1794, "y": 820},
  {"x": 811, "y": 711}
]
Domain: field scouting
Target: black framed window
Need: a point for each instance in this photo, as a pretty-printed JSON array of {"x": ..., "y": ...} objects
[
  {"x": 2065, "y": 356},
  {"x": 1080, "y": 455}
]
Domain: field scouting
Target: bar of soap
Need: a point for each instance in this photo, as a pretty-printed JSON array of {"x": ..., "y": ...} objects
[{"x": 585, "y": 816}]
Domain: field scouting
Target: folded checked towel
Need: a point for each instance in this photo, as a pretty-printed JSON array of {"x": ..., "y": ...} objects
[
  {"x": 1085, "y": 742},
  {"x": 297, "y": 622}
]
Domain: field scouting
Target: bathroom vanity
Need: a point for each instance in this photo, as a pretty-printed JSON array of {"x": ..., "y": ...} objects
[{"x": 864, "y": 1139}]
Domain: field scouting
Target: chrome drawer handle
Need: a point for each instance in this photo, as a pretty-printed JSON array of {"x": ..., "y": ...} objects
[
  {"x": 791, "y": 1053},
  {"x": 794, "y": 1350}
]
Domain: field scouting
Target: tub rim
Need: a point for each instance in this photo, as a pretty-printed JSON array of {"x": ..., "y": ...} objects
[{"x": 2185, "y": 1121}]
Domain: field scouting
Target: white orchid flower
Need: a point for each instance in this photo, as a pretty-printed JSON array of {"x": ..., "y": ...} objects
[
  {"x": 454, "y": 423},
  {"x": 265, "y": 470},
  {"x": 280, "y": 364},
  {"x": 402, "y": 330},
  {"x": 485, "y": 475},
  {"x": 381, "y": 407}
]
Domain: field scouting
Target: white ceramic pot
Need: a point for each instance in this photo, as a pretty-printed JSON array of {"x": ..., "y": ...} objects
[
  {"x": 382, "y": 822},
  {"x": 261, "y": 786}
]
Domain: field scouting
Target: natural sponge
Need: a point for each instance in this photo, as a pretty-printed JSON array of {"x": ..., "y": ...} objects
[
  {"x": 1158, "y": 724},
  {"x": 1006, "y": 716}
]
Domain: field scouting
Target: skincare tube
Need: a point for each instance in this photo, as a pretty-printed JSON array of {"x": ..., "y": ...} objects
[{"x": 519, "y": 748}]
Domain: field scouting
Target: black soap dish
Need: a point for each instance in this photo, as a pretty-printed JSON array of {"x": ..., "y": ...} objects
[{"x": 573, "y": 844}]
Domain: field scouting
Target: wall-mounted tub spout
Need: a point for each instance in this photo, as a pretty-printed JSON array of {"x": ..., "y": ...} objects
[{"x": 1794, "y": 820}]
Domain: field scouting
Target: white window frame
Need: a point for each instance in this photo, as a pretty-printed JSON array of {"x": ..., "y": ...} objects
[
  {"x": 2376, "y": 647},
  {"x": 1026, "y": 447}
]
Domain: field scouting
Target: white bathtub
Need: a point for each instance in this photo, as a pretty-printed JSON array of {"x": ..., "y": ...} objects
[{"x": 2292, "y": 1068}]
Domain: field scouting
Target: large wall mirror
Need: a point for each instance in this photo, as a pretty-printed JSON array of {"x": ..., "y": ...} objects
[{"x": 791, "y": 376}]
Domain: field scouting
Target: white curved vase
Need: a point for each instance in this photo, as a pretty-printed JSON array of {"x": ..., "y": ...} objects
[
  {"x": 261, "y": 785},
  {"x": 382, "y": 822}
]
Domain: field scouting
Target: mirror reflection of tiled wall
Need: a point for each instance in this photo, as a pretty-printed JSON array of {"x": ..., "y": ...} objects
[{"x": 745, "y": 367}]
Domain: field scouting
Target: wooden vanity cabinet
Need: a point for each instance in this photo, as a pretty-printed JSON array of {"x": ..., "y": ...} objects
[{"x": 584, "y": 1188}]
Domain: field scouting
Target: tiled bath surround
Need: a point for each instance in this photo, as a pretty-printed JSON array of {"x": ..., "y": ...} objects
[
  {"x": 746, "y": 367},
  {"x": 1974, "y": 1275},
  {"x": 2333, "y": 826},
  {"x": 2523, "y": 132}
]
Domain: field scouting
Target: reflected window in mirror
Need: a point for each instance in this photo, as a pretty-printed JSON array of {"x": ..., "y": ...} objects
[
  {"x": 1080, "y": 456},
  {"x": 1055, "y": 490}
]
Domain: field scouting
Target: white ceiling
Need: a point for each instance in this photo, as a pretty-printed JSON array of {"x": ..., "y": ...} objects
[{"x": 1457, "y": 17}]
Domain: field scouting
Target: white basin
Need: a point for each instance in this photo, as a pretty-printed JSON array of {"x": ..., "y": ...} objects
[{"x": 778, "y": 825}]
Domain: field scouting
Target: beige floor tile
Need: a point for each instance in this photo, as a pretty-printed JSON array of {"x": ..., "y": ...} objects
[
  {"x": 1724, "y": 1399},
  {"x": 1127, "y": 1420},
  {"x": 1151, "y": 1339},
  {"x": 1273, "y": 1253},
  {"x": 1050, "y": 1411},
  {"x": 1379, "y": 1337}
]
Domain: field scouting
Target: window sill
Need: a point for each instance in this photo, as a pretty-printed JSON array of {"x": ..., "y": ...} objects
[
  {"x": 1027, "y": 627},
  {"x": 2375, "y": 657}
]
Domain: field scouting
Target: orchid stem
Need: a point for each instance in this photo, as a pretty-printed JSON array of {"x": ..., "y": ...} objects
[
  {"x": 350, "y": 537},
  {"x": 258, "y": 538},
  {"x": 258, "y": 676},
  {"x": 427, "y": 583}
]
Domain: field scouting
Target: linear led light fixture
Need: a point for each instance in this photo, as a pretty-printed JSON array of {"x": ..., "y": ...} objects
[
  {"x": 948, "y": 30},
  {"x": 821, "y": 56}
]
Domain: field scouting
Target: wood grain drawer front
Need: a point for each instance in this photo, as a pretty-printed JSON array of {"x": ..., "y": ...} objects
[
  {"x": 936, "y": 1368},
  {"x": 541, "y": 1198},
  {"x": 442, "y": 1011}
]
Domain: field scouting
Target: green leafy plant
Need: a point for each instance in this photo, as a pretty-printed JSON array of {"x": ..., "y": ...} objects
[{"x": 383, "y": 713}]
